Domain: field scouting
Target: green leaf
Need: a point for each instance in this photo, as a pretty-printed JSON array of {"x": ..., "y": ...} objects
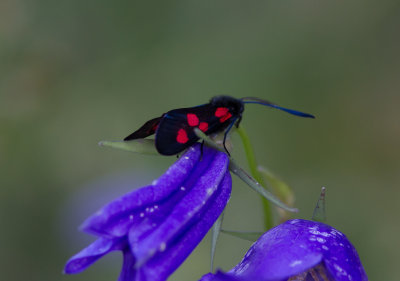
[
  {"x": 234, "y": 168},
  {"x": 142, "y": 146},
  {"x": 249, "y": 236},
  {"x": 281, "y": 189}
]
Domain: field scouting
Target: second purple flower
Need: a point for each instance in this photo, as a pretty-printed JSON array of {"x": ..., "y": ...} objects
[{"x": 298, "y": 250}]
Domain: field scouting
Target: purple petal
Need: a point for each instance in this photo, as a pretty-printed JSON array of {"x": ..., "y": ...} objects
[
  {"x": 281, "y": 252},
  {"x": 219, "y": 276},
  {"x": 128, "y": 272},
  {"x": 340, "y": 256},
  {"x": 295, "y": 247},
  {"x": 171, "y": 254},
  {"x": 187, "y": 210},
  {"x": 92, "y": 253},
  {"x": 114, "y": 219}
]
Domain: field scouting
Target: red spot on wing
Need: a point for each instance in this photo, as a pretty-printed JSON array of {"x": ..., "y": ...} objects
[
  {"x": 225, "y": 117},
  {"x": 192, "y": 119},
  {"x": 223, "y": 114},
  {"x": 203, "y": 126},
  {"x": 154, "y": 128},
  {"x": 182, "y": 137},
  {"x": 221, "y": 111}
]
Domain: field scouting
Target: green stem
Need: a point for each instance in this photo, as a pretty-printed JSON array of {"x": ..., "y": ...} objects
[
  {"x": 251, "y": 159},
  {"x": 216, "y": 229}
]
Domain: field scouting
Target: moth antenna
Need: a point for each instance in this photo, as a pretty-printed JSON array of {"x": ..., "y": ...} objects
[{"x": 270, "y": 104}]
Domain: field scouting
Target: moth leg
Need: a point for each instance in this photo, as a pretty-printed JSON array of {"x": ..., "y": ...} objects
[
  {"x": 226, "y": 134},
  {"x": 238, "y": 122}
]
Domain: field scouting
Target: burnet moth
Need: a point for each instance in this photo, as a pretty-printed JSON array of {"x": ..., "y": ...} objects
[{"x": 174, "y": 130}]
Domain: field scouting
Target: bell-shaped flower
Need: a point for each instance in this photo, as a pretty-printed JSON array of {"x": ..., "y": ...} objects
[
  {"x": 298, "y": 250},
  {"x": 157, "y": 226}
]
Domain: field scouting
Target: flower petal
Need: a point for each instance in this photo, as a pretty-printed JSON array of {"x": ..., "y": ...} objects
[
  {"x": 114, "y": 219},
  {"x": 92, "y": 253},
  {"x": 170, "y": 255},
  {"x": 280, "y": 253},
  {"x": 219, "y": 276},
  {"x": 294, "y": 247},
  {"x": 200, "y": 190},
  {"x": 339, "y": 255},
  {"x": 128, "y": 272}
]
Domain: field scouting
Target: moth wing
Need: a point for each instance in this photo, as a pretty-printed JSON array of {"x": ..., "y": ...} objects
[
  {"x": 176, "y": 130},
  {"x": 148, "y": 129}
]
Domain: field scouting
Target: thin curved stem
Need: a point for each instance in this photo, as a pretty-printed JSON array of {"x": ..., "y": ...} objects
[{"x": 251, "y": 159}]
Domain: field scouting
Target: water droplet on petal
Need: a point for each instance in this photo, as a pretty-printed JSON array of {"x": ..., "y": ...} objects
[
  {"x": 312, "y": 238},
  {"x": 295, "y": 263},
  {"x": 163, "y": 246}
]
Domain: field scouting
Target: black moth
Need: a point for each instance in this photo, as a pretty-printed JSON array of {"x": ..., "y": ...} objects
[{"x": 175, "y": 129}]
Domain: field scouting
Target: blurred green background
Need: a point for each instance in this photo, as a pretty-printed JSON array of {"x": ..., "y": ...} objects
[{"x": 75, "y": 72}]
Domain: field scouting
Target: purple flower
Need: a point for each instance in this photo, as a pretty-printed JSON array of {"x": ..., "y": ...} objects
[
  {"x": 298, "y": 250},
  {"x": 157, "y": 226}
]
